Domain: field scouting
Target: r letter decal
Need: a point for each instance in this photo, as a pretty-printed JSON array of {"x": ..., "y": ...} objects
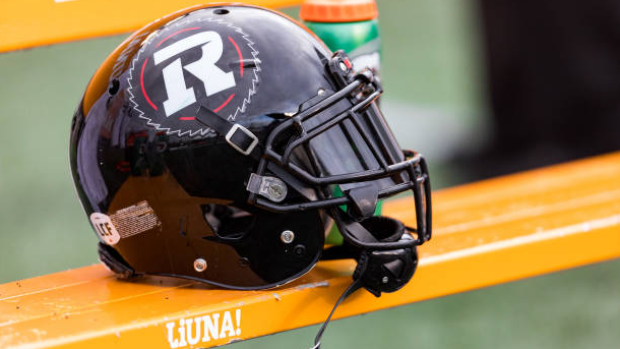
[
  {"x": 197, "y": 60},
  {"x": 214, "y": 79}
]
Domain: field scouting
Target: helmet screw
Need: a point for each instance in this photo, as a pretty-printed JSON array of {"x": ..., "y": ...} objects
[
  {"x": 385, "y": 280},
  {"x": 343, "y": 66},
  {"x": 300, "y": 250},
  {"x": 200, "y": 265},
  {"x": 321, "y": 92},
  {"x": 276, "y": 192},
  {"x": 287, "y": 236}
]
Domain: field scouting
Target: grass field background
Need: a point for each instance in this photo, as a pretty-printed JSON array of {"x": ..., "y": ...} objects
[{"x": 436, "y": 103}]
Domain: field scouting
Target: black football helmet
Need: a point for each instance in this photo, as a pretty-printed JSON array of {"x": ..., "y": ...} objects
[{"x": 219, "y": 143}]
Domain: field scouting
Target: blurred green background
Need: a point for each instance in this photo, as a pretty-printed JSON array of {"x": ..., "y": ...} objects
[{"x": 435, "y": 101}]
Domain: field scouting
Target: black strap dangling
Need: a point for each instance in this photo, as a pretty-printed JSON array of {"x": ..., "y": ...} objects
[
  {"x": 355, "y": 285},
  {"x": 377, "y": 270}
]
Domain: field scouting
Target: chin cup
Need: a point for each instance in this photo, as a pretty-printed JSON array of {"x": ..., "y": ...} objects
[
  {"x": 386, "y": 270},
  {"x": 387, "y": 253}
]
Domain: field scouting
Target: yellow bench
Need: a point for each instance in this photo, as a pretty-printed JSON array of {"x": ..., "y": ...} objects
[{"x": 486, "y": 233}]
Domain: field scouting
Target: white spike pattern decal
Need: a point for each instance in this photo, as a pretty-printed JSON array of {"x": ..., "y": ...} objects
[{"x": 241, "y": 107}]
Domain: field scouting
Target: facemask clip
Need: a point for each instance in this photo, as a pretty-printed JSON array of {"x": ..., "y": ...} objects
[
  {"x": 363, "y": 201},
  {"x": 272, "y": 188}
]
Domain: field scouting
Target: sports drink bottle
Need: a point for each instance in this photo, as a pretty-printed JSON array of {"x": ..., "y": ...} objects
[{"x": 349, "y": 25}]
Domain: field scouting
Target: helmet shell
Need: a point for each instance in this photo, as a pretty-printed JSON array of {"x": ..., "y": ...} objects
[{"x": 164, "y": 190}]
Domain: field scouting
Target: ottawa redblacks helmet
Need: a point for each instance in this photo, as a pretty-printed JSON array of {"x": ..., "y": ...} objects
[{"x": 220, "y": 143}]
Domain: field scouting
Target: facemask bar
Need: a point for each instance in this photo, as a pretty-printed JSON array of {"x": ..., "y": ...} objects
[{"x": 413, "y": 164}]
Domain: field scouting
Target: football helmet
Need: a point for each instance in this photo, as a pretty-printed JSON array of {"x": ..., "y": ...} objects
[{"x": 220, "y": 142}]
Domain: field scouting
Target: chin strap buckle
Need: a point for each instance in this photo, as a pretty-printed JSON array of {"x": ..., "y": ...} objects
[
  {"x": 237, "y": 136},
  {"x": 241, "y": 139}
]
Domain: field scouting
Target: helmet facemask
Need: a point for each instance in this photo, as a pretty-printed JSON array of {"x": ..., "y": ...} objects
[{"x": 341, "y": 148}]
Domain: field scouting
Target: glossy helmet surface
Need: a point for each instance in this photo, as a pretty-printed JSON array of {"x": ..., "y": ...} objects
[{"x": 219, "y": 142}]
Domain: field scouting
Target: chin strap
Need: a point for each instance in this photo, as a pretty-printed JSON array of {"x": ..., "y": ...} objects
[
  {"x": 114, "y": 262},
  {"x": 237, "y": 136},
  {"x": 378, "y": 270},
  {"x": 356, "y": 285}
]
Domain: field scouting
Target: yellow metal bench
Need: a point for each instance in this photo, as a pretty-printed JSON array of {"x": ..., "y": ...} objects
[
  {"x": 486, "y": 233},
  {"x": 31, "y": 23}
]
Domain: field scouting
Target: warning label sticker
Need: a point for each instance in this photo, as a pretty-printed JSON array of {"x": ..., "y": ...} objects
[{"x": 104, "y": 228}]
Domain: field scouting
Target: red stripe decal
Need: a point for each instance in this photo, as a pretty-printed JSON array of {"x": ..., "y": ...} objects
[
  {"x": 240, "y": 56},
  {"x": 224, "y": 104},
  {"x": 347, "y": 62},
  {"x": 187, "y": 118},
  {"x": 175, "y": 33},
  {"x": 142, "y": 85}
]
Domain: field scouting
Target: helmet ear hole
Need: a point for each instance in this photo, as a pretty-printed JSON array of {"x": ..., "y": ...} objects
[{"x": 228, "y": 222}]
